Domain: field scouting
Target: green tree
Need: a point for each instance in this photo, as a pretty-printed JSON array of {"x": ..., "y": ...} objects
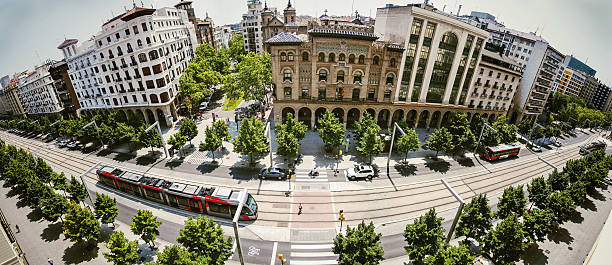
[
  {"x": 253, "y": 78},
  {"x": 507, "y": 132},
  {"x": 490, "y": 138},
  {"x": 43, "y": 171},
  {"x": 365, "y": 122},
  {"x": 236, "y": 47},
  {"x": 251, "y": 139},
  {"x": 211, "y": 141},
  {"x": 476, "y": 219},
  {"x": 81, "y": 225},
  {"x": 360, "y": 245},
  {"x": 203, "y": 237},
  {"x": 408, "y": 142},
  {"x": 121, "y": 251},
  {"x": 424, "y": 236},
  {"x": 539, "y": 192},
  {"x": 105, "y": 208},
  {"x": 463, "y": 137},
  {"x": 595, "y": 174},
  {"x": 76, "y": 191},
  {"x": 35, "y": 191},
  {"x": 505, "y": 243},
  {"x": 512, "y": 202},
  {"x": 189, "y": 129},
  {"x": 440, "y": 141},
  {"x": 331, "y": 131},
  {"x": 178, "y": 141},
  {"x": 58, "y": 181},
  {"x": 558, "y": 180},
  {"x": 175, "y": 255},
  {"x": 146, "y": 226},
  {"x": 538, "y": 224},
  {"x": 222, "y": 130},
  {"x": 562, "y": 206},
  {"x": 288, "y": 144},
  {"x": 370, "y": 144},
  {"x": 578, "y": 192},
  {"x": 451, "y": 256},
  {"x": 150, "y": 138},
  {"x": 294, "y": 127},
  {"x": 525, "y": 126},
  {"x": 54, "y": 207}
]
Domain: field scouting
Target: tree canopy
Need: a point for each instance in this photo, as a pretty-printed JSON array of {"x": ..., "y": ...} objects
[
  {"x": 203, "y": 237},
  {"x": 251, "y": 139},
  {"x": 424, "y": 236},
  {"x": 360, "y": 245}
]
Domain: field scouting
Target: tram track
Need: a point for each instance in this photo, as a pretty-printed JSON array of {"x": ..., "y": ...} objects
[{"x": 407, "y": 192}]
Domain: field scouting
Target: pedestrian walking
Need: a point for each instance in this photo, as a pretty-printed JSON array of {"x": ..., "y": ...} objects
[
  {"x": 50, "y": 261},
  {"x": 300, "y": 209},
  {"x": 17, "y": 228}
]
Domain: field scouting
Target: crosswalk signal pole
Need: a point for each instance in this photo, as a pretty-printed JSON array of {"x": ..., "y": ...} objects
[
  {"x": 341, "y": 218},
  {"x": 282, "y": 260}
]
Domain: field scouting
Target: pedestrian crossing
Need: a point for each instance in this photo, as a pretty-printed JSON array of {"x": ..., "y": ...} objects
[
  {"x": 302, "y": 176},
  {"x": 311, "y": 254}
]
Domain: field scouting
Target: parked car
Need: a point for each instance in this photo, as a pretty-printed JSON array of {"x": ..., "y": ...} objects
[
  {"x": 360, "y": 171},
  {"x": 203, "y": 106},
  {"x": 588, "y": 148},
  {"x": 557, "y": 144},
  {"x": 273, "y": 172},
  {"x": 536, "y": 148},
  {"x": 62, "y": 143},
  {"x": 71, "y": 145}
]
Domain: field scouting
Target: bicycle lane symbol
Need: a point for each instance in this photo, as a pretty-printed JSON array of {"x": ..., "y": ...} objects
[{"x": 253, "y": 251}]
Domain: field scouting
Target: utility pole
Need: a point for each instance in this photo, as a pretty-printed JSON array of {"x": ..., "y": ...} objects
[
  {"x": 83, "y": 181},
  {"x": 242, "y": 199},
  {"x": 484, "y": 124},
  {"x": 97, "y": 130},
  {"x": 395, "y": 127},
  {"x": 459, "y": 210}
]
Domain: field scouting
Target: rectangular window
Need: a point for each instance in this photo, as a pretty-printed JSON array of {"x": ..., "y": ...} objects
[
  {"x": 135, "y": 29},
  {"x": 144, "y": 26},
  {"x": 150, "y": 84}
]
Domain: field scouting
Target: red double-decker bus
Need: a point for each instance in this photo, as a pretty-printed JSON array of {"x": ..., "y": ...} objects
[{"x": 501, "y": 151}]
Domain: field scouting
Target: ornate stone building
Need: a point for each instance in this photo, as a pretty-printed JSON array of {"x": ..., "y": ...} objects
[{"x": 423, "y": 69}]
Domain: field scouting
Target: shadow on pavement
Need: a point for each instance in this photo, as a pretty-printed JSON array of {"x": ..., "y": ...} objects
[
  {"x": 406, "y": 169},
  {"x": 465, "y": 162},
  {"x": 122, "y": 157},
  {"x": 35, "y": 215},
  {"x": 577, "y": 217},
  {"x": 589, "y": 205},
  {"x": 437, "y": 165},
  {"x": 52, "y": 232},
  {"x": 534, "y": 255},
  {"x": 148, "y": 159},
  {"x": 104, "y": 152},
  {"x": 560, "y": 234},
  {"x": 207, "y": 167},
  {"x": 173, "y": 163},
  {"x": 80, "y": 252},
  {"x": 243, "y": 173}
]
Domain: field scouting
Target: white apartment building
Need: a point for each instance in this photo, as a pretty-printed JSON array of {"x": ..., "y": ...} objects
[
  {"x": 223, "y": 34},
  {"x": 540, "y": 61},
  {"x": 37, "y": 91},
  {"x": 137, "y": 61},
  {"x": 251, "y": 27},
  {"x": 84, "y": 74}
]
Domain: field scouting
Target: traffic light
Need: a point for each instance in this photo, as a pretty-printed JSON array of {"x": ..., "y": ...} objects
[{"x": 341, "y": 215}]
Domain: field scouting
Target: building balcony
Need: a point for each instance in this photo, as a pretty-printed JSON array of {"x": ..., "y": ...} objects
[
  {"x": 474, "y": 94},
  {"x": 491, "y": 96},
  {"x": 483, "y": 96},
  {"x": 488, "y": 107},
  {"x": 479, "y": 107},
  {"x": 478, "y": 84},
  {"x": 487, "y": 85},
  {"x": 495, "y": 87},
  {"x": 499, "y": 97},
  {"x": 124, "y": 66},
  {"x": 506, "y": 98},
  {"x": 133, "y": 64}
]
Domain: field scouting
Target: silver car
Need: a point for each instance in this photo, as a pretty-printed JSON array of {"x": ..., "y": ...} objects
[{"x": 360, "y": 171}]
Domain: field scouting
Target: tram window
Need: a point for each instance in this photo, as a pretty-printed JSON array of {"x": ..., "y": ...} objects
[
  {"x": 218, "y": 208},
  {"x": 182, "y": 201},
  {"x": 251, "y": 203},
  {"x": 154, "y": 195},
  {"x": 245, "y": 211},
  {"x": 233, "y": 209}
]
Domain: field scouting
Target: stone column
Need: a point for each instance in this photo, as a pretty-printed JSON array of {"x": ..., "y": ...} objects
[
  {"x": 417, "y": 57},
  {"x": 455, "y": 66},
  {"x": 416, "y": 119}
]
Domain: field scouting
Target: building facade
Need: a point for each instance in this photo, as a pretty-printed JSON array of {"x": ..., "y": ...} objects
[
  {"x": 496, "y": 81},
  {"x": 5, "y": 108},
  {"x": 4, "y": 81},
  {"x": 204, "y": 29},
  {"x": 420, "y": 72},
  {"x": 601, "y": 96},
  {"x": 12, "y": 96},
  {"x": 223, "y": 34},
  {"x": 64, "y": 89},
  {"x": 38, "y": 93},
  {"x": 251, "y": 27},
  {"x": 588, "y": 89},
  {"x": 572, "y": 82},
  {"x": 136, "y": 61}
]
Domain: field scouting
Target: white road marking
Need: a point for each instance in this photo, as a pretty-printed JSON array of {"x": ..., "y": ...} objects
[
  {"x": 233, "y": 250},
  {"x": 313, "y": 262},
  {"x": 273, "y": 259},
  {"x": 319, "y": 246},
  {"x": 311, "y": 254}
]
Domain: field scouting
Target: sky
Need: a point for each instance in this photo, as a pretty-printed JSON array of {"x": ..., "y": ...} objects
[{"x": 31, "y": 30}]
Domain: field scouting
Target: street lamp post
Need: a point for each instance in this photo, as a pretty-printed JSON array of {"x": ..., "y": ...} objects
[
  {"x": 484, "y": 124},
  {"x": 97, "y": 130},
  {"x": 458, "y": 214},
  {"x": 156, "y": 124},
  {"x": 395, "y": 127},
  {"x": 242, "y": 199},
  {"x": 269, "y": 131},
  {"x": 83, "y": 181},
  {"x": 531, "y": 131}
]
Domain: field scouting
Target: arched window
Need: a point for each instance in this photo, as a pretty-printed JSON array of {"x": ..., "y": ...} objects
[
  {"x": 356, "y": 92},
  {"x": 392, "y": 62},
  {"x": 148, "y": 40},
  {"x": 101, "y": 55},
  {"x": 110, "y": 54},
  {"x": 139, "y": 42},
  {"x": 153, "y": 55},
  {"x": 305, "y": 56},
  {"x": 361, "y": 59},
  {"x": 340, "y": 76},
  {"x": 290, "y": 56},
  {"x": 287, "y": 75},
  {"x": 389, "y": 79},
  {"x": 142, "y": 57},
  {"x": 332, "y": 57},
  {"x": 321, "y": 57},
  {"x": 323, "y": 75},
  {"x": 441, "y": 70},
  {"x": 342, "y": 57},
  {"x": 133, "y": 60},
  {"x": 375, "y": 60},
  {"x": 283, "y": 56},
  {"x": 352, "y": 58},
  {"x": 119, "y": 51},
  {"x": 357, "y": 77},
  {"x": 129, "y": 47}
]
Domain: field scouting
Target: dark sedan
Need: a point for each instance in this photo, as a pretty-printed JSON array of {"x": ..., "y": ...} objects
[{"x": 273, "y": 172}]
